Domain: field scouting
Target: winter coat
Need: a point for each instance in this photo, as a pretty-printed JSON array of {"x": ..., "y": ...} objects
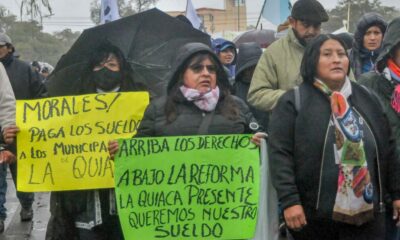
[
  {"x": 24, "y": 80},
  {"x": 277, "y": 71},
  {"x": 381, "y": 81},
  {"x": 303, "y": 168},
  {"x": 358, "y": 51},
  {"x": 7, "y": 100},
  {"x": 189, "y": 120},
  {"x": 189, "y": 116},
  {"x": 249, "y": 54}
]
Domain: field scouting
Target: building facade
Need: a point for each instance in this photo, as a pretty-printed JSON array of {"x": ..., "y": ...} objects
[{"x": 232, "y": 17}]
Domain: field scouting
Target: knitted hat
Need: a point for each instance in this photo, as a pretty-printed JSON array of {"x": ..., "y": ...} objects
[
  {"x": 309, "y": 10},
  {"x": 4, "y": 39}
]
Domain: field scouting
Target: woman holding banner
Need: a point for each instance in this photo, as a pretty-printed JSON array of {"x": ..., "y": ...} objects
[
  {"x": 198, "y": 101},
  {"x": 332, "y": 154},
  {"x": 91, "y": 214}
]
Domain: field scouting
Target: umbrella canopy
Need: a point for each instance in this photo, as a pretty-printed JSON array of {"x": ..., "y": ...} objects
[
  {"x": 149, "y": 41},
  {"x": 264, "y": 37}
]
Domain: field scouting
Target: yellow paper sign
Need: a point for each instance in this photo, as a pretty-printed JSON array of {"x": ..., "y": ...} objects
[{"x": 62, "y": 143}]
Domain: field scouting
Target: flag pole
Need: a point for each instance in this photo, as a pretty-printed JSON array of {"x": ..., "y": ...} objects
[
  {"x": 259, "y": 17},
  {"x": 348, "y": 16}
]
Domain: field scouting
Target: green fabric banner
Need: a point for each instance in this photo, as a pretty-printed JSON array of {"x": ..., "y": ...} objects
[{"x": 188, "y": 187}]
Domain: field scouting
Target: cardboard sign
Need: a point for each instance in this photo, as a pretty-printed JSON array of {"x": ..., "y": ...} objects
[
  {"x": 188, "y": 187},
  {"x": 62, "y": 143}
]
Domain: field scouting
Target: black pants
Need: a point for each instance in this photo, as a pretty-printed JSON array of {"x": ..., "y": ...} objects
[
  {"x": 109, "y": 230},
  {"x": 329, "y": 229}
]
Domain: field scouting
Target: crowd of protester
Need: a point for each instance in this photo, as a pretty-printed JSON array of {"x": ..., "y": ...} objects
[{"x": 330, "y": 104}]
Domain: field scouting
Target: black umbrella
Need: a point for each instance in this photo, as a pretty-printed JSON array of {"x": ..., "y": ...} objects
[
  {"x": 149, "y": 41},
  {"x": 264, "y": 37}
]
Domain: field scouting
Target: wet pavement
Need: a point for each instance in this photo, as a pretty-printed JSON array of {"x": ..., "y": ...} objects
[{"x": 32, "y": 230}]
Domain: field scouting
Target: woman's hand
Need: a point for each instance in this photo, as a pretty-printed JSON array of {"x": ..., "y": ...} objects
[
  {"x": 113, "y": 148},
  {"x": 294, "y": 217},
  {"x": 9, "y": 134},
  {"x": 7, "y": 157},
  {"x": 396, "y": 212},
  {"x": 256, "y": 138}
]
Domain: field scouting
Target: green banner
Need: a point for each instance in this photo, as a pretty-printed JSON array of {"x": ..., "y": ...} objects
[{"x": 188, "y": 187}]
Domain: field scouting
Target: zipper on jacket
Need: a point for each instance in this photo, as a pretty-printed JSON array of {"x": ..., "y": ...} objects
[
  {"x": 322, "y": 162},
  {"x": 381, "y": 206}
]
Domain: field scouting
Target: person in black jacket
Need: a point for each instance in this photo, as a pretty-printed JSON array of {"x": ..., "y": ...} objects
[
  {"x": 385, "y": 82},
  {"x": 367, "y": 42},
  {"x": 198, "y": 89},
  {"x": 332, "y": 154},
  {"x": 92, "y": 214},
  {"x": 26, "y": 84},
  {"x": 247, "y": 59}
]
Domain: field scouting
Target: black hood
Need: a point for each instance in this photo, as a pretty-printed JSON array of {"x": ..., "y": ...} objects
[
  {"x": 391, "y": 39},
  {"x": 248, "y": 56},
  {"x": 184, "y": 54},
  {"x": 366, "y": 21}
]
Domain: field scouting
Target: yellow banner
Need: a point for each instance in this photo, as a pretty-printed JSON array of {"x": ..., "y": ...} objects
[{"x": 62, "y": 143}]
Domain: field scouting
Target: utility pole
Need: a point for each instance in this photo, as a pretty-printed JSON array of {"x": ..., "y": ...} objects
[
  {"x": 348, "y": 15},
  {"x": 238, "y": 14}
]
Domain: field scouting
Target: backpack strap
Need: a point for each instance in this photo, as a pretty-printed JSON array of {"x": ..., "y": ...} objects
[{"x": 297, "y": 100}]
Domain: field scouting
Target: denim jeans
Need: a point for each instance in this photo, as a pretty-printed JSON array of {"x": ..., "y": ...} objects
[
  {"x": 25, "y": 198},
  {"x": 3, "y": 190}
]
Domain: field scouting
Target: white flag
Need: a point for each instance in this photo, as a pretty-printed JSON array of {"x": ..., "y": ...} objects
[
  {"x": 276, "y": 11},
  {"x": 109, "y": 11},
  {"x": 192, "y": 15}
]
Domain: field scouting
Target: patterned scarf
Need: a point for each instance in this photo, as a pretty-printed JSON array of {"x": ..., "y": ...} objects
[
  {"x": 205, "y": 101},
  {"x": 353, "y": 203},
  {"x": 395, "y": 75}
]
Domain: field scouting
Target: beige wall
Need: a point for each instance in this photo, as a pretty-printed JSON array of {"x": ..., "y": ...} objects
[{"x": 233, "y": 18}]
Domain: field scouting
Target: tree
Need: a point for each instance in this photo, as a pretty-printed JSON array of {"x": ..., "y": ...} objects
[
  {"x": 32, "y": 43},
  {"x": 6, "y": 19},
  {"x": 125, "y": 7},
  {"x": 33, "y": 8},
  {"x": 357, "y": 9}
]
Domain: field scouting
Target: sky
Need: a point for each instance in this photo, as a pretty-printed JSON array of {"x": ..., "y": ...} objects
[{"x": 75, "y": 14}]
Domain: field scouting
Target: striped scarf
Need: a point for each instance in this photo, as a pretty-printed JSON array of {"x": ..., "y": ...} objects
[
  {"x": 395, "y": 75},
  {"x": 353, "y": 203}
]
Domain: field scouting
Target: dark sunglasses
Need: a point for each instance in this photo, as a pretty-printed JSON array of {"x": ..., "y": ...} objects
[{"x": 198, "y": 68}]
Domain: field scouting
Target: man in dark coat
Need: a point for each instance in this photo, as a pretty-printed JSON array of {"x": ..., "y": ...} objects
[{"x": 26, "y": 84}]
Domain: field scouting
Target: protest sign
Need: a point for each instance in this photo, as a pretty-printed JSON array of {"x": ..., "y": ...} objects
[
  {"x": 62, "y": 143},
  {"x": 188, "y": 187}
]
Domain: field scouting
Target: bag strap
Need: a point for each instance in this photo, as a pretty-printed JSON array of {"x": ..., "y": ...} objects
[
  {"x": 297, "y": 100},
  {"x": 205, "y": 123}
]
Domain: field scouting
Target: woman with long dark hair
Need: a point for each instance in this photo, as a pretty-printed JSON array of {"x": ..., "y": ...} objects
[{"x": 332, "y": 154}]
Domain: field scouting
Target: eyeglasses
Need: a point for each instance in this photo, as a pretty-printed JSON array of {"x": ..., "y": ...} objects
[{"x": 198, "y": 68}]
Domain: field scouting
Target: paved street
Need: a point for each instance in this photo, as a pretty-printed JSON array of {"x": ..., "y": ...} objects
[{"x": 17, "y": 230}]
